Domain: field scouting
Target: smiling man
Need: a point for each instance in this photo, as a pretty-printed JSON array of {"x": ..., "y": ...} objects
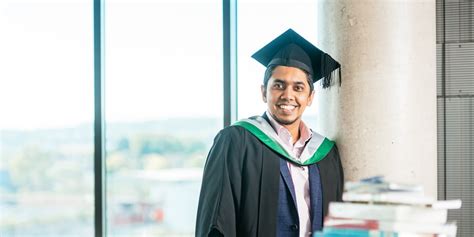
[{"x": 271, "y": 175}]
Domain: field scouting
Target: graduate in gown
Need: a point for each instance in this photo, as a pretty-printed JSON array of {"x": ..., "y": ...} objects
[{"x": 270, "y": 175}]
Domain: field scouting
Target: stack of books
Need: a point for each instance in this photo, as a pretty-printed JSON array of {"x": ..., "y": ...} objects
[{"x": 376, "y": 208}]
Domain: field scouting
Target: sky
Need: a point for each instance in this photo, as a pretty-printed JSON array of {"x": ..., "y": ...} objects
[{"x": 163, "y": 59}]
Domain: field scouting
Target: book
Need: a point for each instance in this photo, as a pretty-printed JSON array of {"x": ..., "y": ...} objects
[
  {"x": 334, "y": 232},
  {"x": 380, "y": 185},
  {"x": 400, "y": 198},
  {"x": 347, "y": 223},
  {"x": 388, "y": 212},
  {"x": 448, "y": 229},
  {"x": 388, "y": 197},
  {"x": 446, "y": 204}
]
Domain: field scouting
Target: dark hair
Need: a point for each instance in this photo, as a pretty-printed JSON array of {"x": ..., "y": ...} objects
[{"x": 271, "y": 68}]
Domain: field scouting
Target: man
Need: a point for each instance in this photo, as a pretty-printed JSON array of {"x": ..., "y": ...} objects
[{"x": 271, "y": 175}]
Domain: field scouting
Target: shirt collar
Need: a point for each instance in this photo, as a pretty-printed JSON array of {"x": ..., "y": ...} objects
[{"x": 305, "y": 132}]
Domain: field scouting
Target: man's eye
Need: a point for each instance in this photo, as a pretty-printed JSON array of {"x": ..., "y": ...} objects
[
  {"x": 299, "y": 88},
  {"x": 278, "y": 86}
]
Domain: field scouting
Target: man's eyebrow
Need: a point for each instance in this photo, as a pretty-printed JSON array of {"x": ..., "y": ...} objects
[
  {"x": 279, "y": 80},
  {"x": 299, "y": 83}
]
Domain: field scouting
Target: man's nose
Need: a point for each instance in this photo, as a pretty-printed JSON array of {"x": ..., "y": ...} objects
[{"x": 288, "y": 93}]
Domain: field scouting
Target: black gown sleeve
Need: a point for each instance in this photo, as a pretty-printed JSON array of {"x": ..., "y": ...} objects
[
  {"x": 332, "y": 178},
  {"x": 340, "y": 188},
  {"x": 221, "y": 186}
]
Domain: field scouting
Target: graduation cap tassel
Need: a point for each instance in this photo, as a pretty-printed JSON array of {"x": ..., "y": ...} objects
[
  {"x": 327, "y": 81},
  {"x": 326, "y": 66},
  {"x": 329, "y": 67},
  {"x": 340, "y": 77}
]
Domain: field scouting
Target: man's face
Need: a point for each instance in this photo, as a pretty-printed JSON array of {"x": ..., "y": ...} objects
[{"x": 287, "y": 94}]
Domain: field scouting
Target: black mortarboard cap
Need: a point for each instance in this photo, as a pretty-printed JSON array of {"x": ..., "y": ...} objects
[{"x": 290, "y": 49}]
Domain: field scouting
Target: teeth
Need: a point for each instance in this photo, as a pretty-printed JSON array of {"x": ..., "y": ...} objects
[{"x": 287, "y": 106}]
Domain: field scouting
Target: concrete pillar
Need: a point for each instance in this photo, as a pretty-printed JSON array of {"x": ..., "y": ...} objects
[{"x": 383, "y": 118}]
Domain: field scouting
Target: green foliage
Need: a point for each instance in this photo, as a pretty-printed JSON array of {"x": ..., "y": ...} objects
[
  {"x": 123, "y": 144},
  {"x": 145, "y": 144},
  {"x": 29, "y": 169}
]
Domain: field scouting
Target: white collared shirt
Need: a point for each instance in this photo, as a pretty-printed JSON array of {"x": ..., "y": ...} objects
[{"x": 299, "y": 174}]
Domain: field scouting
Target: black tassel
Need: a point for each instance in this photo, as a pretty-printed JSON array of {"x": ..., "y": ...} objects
[
  {"x": 340, "y": 73},
  {"x": 328, "y": 68},
  {"x": 327, "y": 81}
]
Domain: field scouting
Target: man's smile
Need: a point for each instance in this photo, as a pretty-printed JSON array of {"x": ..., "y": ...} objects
[{"x": 287, "y": 108}]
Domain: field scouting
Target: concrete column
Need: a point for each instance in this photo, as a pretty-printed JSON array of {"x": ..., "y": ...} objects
[{"x": 383, "y": 118}]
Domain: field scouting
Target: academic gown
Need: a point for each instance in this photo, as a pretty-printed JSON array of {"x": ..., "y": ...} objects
[{"x": 240, "y": 188}]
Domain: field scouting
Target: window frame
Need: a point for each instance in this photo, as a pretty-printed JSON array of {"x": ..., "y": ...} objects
[{"x": 229, "y": 16}]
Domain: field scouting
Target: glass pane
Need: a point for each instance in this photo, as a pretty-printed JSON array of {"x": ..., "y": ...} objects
[
  {"x": 163, "y": 109},
  {"x": 46, "y": 104},
  {"x": 255, "y": 31}
]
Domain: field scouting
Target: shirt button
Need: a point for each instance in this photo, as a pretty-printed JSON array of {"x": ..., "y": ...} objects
[{"x": 294, "y": 227}]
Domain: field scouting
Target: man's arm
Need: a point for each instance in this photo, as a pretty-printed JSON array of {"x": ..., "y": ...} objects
[
  {"x": 220, "y": 190},
  {"x": 340, "y": 189},
  {"x": 332, "y": 178}
]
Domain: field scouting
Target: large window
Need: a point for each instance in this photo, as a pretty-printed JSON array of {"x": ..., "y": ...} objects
[
  {"x": 163, "y": 93},
  {"x": 259, "y": 22},
  {"x": 46, "y": 107},
  {"x": 163, "y": 87}
]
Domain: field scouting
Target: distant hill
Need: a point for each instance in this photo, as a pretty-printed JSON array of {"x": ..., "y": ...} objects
[{"x": 203, "y": 128}]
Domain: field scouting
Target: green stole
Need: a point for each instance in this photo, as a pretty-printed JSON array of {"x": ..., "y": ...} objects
[{"x": 315, "y": 150}]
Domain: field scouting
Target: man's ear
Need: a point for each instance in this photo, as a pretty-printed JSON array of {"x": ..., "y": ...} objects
[
  {"x": 310, "y": 98},
  {"x": 264, "y": 93}
]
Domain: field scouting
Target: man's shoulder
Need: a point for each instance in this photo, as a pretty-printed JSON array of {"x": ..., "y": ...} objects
[
  {"x": 332, "y": 156},
  {"x": 236, "y": 135},
  {"x": 231, "y": 133}
]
